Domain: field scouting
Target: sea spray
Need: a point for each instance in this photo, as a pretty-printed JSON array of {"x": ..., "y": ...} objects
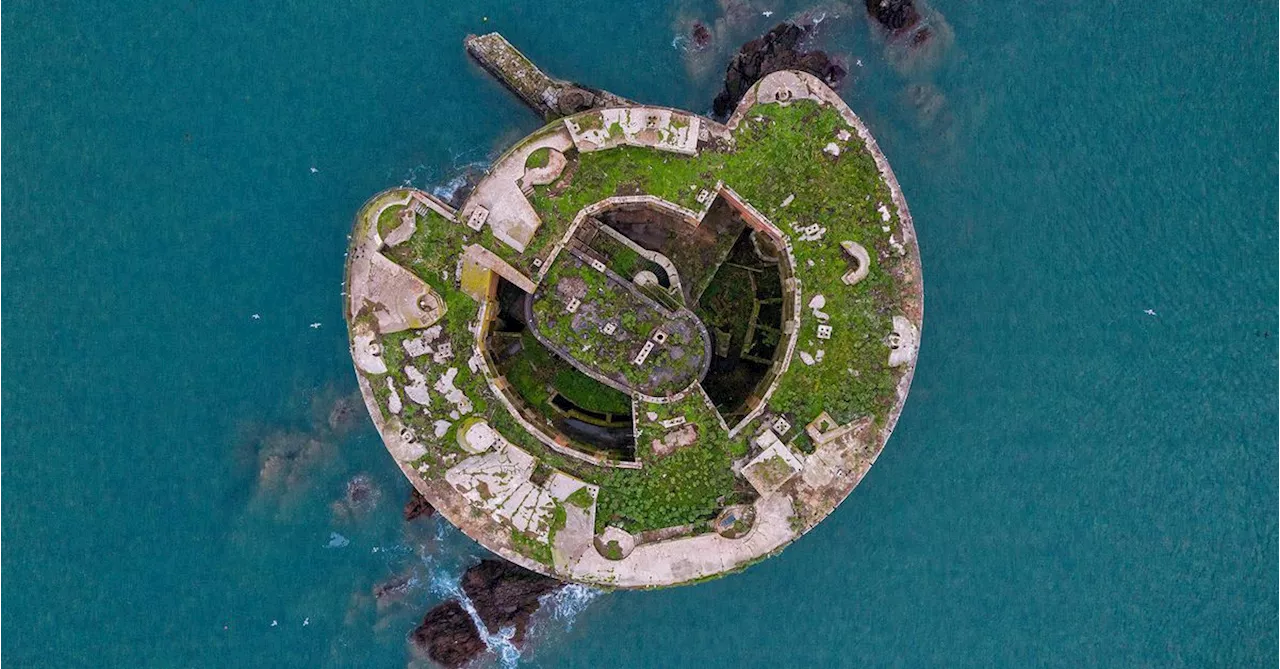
[
  {"x": 465, "y": 175},
  {"x": 566, "y": 603},
  {"x": 449, "y": 585}
]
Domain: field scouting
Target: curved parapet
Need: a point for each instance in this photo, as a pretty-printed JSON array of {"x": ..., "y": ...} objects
[{"x": 507, "y": 354}]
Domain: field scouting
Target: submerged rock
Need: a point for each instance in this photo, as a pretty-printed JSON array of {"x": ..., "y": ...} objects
[
  {"x": 776, "y": 50},
  {"x": 701, "y": 35},
  {"x": 394, "y": 590},
  {"x": 417, "y": 506},
  {"x": 362, "y": 496},
  {"x": 448, "y": 636},
  {"x": 346, "y": 413},
  {"x": 288, "y": 461},
  {"x": 506, "y": 595},
  {"x": 895, "y": 15}
]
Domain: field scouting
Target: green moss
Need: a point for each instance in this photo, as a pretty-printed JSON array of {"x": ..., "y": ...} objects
[
  {"x": 581, "y": 498},
  {"x": 389, "y": 219},
  {"x": 538, "y": 159},
  {"x": 531, "y": 548},
  {"x": 432, "y": 252},
  {"x": 727, "y": 303},
  {"x": 590, "y": 121},
  {"x": 607, "y": 301},
  {"x": 772, "y": 470},
  {"x": 559, "y": 518},
  {"x": 535, "y": 372},
  {"x": 685, "y": 487}
]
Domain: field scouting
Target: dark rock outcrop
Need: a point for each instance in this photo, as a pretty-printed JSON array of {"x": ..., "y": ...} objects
[
  {"x": 776, "y": 50},
  {"x": 417, "y": 506},
  {"x": 503, "y": 594},
  {"x": 576, "y": 99},
  {"x": 506, "y": 595},
  {"x": 362, "y": 492},
  {"x": 448, "y": 636},
  {"x": 701, "y": 35},
  {"x": 894, "y": 15}
]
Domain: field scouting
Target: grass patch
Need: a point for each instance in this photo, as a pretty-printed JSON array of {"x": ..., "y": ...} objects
[
  {"x": 389, "y": 219},
  {"x": 538, "y": 159},
  {"x": 536, "y": 372},
  {"x": 581, "y": 335},
  {"x": 531, "y": 548},
  {"x": 687, "y": 486},
  {"x": 581, "y": 498}
]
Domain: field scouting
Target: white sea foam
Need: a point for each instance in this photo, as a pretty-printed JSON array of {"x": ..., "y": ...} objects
[
  {"x": 500, "y": 644},
  {"x": 566, "y": 603},
  {"x": 450, "y": 188}
]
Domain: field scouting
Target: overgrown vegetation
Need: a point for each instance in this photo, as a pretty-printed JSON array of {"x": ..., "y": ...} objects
[
  {"x": 778, "y": 154},
  {"x": 684, "y": 487},
  {"x": 604, "y": 301},
  {"x": 581, "y": 498},
  {"x": 389, "y": 219},
  {"x": 536, "y": 373},
  {"x": 538, "y": 159},
  {"x": 531, "y": 548}
]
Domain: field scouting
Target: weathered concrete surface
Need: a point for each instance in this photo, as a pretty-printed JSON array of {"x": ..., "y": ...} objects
[
  {"x": 541, "y": 176},
  {"x": 682, "y": 560},
  {"x": 499, "y": 483},
  {"x": 548, "y": 96},
  {"x": 402, "y": 232},
  {"x": 652, "y": 127},
  {"x": 511, "y": 217},
  {"x": 693, "y": 366},
  {"x": 366, "y": 351},
  {"x": 483, "y": 257},
  {"x": 773, "y": 467},
  {"x": 397, "y": 298}
]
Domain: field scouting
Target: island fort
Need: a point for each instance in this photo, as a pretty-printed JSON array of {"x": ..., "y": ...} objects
[{"x": 648, "y": 347}]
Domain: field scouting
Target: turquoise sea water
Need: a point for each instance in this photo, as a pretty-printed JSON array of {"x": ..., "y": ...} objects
[{"x": 1073, "y": 483}]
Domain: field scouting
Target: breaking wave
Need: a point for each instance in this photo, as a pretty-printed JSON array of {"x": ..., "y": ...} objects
[
  {"x": 566, "y": 603},
  {"x": 499, "y": 644},
  {"x": 450, "y": 188}
]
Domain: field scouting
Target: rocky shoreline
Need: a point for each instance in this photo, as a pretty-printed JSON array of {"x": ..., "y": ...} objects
[
  {"x": 778, "y": 49},
  {"x": 417, "y": 506},
  {"x": 504, "y": 596}
]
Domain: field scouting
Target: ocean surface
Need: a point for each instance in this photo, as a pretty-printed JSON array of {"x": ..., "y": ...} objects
[{"x": 1076, "y": 481}]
